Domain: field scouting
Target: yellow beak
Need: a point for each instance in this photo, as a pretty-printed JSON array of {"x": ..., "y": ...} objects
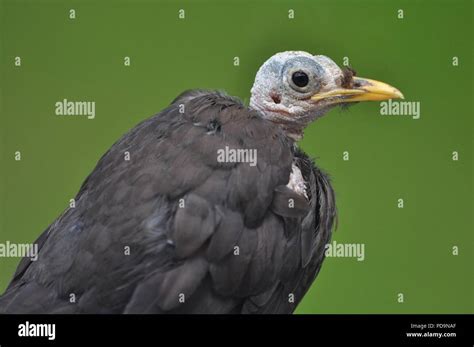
[{"x": 363, "y": 89}]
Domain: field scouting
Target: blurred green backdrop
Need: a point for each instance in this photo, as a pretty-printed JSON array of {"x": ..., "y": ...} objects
[{"x": 407, "y": 250}]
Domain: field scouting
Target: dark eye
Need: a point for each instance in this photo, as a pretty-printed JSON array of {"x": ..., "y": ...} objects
[{"x": 300, "y": 79}]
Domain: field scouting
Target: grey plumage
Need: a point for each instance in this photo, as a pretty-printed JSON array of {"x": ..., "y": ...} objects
[{"x": 191, "y": 250}]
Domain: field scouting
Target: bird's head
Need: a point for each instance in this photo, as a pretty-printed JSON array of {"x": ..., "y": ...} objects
[{"x": 294, "y": 88}]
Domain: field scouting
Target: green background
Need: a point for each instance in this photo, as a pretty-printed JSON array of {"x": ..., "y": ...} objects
[{"x": 407, "y": 250}]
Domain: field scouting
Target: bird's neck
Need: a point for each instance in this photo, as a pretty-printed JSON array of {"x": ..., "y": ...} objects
[
  {"x": 292, "y": 126},
  {"x": 293, "y": 132}
]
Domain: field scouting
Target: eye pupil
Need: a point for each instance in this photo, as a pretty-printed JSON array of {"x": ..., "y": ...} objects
[{"x": 300, "y": 79}]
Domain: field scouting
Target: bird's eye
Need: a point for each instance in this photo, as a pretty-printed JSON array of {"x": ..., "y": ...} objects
[{"x": 300, "y": 79}]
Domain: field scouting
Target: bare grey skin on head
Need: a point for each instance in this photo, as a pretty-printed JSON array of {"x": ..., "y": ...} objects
[
  {"x": 204, "y": 236},
  {"x": 295, "y": 88}
]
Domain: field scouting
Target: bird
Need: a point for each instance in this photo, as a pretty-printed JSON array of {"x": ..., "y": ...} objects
[{"x": 173, "y": 229}]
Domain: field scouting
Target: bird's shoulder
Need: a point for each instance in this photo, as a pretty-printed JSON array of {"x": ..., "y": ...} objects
[{"x": 207, "y": 143}]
